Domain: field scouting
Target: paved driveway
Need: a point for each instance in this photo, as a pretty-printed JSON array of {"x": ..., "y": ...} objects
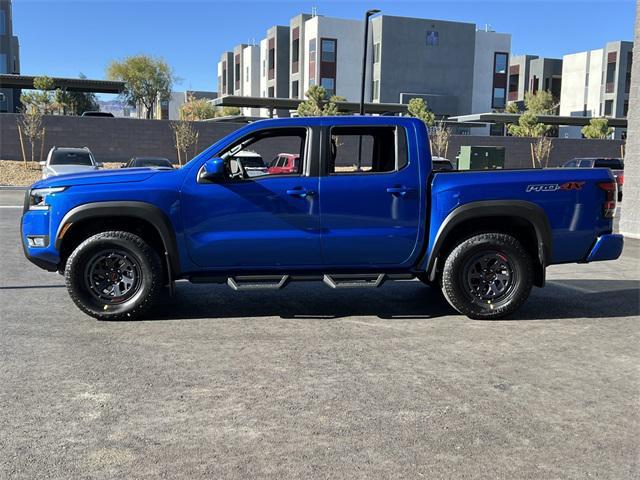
[{"x": 314, "y": 383}]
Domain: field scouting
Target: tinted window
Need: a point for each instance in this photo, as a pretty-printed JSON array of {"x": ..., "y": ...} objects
[
  {"x": 613, "y": 163},
  {"x": 70, "y": 158},
  {"x": 366, "y": 150}
]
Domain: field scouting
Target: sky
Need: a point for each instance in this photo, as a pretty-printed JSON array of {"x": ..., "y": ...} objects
[{"x": 65, "y": 38}]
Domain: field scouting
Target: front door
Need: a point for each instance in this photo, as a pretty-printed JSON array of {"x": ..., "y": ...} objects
[
  {"x": 371, "y": 198},
  {"x": 257, "y": 220}
]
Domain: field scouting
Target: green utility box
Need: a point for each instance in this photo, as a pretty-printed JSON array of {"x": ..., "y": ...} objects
[{"x": 480, "y": 158}]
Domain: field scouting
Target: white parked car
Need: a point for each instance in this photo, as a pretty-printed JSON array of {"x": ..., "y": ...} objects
[{"x": 63, "y": 160}]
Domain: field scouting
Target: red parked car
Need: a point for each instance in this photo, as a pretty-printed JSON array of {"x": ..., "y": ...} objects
[{"x": 285, "y": 163}]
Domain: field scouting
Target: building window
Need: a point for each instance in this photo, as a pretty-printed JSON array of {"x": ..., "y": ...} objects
[
  {"x": 329, "y": 85},
  {"x": 376, "y": 90},
  {"x": 3, "y": 28},
  {"x": 328, "y": 52},
  {"x": 627, "y": 82},
  {"x": 496, "y": 129},
  {"x": 498, "y": 98},
  {"x": 271, "y": 59},
  {"x": 3, "y": 63},
  {"x": 295, "y": 91},
  {"x": 272, "y": 92},
  {"x": 376, "y": 52},
  {"x": 295, "y": 49},
  {"x": 433, "y": 38},
  {"x": 625, "y": 108},
  {"x": 608, "y": 108},
  {"x": 236, "y": 72},
  {"x": 312, "y": 61},
  {"x": 501, "y": 61},
  {"x": 611, "y": 73},
  {"x": 224, "y": 77}
]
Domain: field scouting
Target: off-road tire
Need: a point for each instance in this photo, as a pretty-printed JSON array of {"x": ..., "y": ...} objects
[
  {"x": 147, "y": 265},
  {"x": 456, "y": 276}
]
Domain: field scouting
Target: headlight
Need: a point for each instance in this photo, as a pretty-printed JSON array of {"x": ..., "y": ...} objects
[{"x": 38, "y": 197}]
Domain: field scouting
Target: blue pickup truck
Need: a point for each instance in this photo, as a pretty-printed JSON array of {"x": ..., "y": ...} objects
[{"x": 360, "y": 206}]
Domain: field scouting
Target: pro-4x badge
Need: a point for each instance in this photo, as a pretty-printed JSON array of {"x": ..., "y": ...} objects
[{"x": 553, "y": 187}]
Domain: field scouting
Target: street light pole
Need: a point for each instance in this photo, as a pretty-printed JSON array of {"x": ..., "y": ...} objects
[
  {"x": 364, "y": 75},
  {"x": 364, "y": 55}
]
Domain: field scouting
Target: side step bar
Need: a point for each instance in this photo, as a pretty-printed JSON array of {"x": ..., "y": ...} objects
[{"x": 278, "y": 282}]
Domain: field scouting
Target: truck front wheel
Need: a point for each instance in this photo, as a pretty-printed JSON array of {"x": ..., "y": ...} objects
[
  {"x": 487, "y": 276},
  {"x": 114, "y": 276}
]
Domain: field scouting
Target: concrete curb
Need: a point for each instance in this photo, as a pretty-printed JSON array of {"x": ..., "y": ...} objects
[{"x": 11, "y": 187}]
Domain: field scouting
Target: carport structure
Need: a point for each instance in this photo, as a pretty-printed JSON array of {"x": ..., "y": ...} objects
[{"x": 25, "y": 82}]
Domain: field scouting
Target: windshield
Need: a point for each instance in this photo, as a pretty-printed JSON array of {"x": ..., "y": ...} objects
[
  {"x": 256, "y": 162},
  {"x": 151, "y": 162},
  {"x": 71, "y": 158}
]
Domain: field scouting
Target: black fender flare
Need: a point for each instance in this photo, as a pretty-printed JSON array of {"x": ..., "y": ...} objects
[
  {"x": 527, "y": 211},
  {"x": 140, "y": 210}
]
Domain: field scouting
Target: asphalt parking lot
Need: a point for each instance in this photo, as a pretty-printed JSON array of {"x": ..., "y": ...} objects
[{"x": 309, "y": 382}]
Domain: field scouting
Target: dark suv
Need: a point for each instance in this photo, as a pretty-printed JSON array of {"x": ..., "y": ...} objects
[{"x": 616, "y": 165}]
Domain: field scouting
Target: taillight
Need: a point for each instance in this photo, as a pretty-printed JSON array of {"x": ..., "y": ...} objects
[
  {"x": 620, "y": 179},
  {"x": 611, "y": 197}
]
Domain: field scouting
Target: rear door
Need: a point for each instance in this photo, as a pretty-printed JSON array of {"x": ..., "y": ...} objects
[{"x": 370, "y": 199}]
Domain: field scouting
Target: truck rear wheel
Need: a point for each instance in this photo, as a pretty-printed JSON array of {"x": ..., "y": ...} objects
[
  {"x": 114, "y": 276},
  {"x": 487, "y": 276}
]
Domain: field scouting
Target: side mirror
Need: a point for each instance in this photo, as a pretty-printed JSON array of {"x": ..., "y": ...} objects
[
  {"x": 212, "y": 169},
  {"x": 42, "y": 164}
]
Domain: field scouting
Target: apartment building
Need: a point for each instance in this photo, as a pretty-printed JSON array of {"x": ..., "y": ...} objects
[
  {"x": 250, "y": 84},
  {"x": 9, "y": 57},
  {"x": 332, "y": 48},
  {"x": 225, "y": 74},
  {"x": 455, "y": 68},
  {"x": 530, "y": 73},
  {"x": 596, "y": 83},
  {"x": 297, "y": 71}
]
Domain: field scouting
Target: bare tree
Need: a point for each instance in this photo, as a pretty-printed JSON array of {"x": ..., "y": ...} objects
[
  {"x": 186, "y": 137},
  {"x": 31, "y": 125},
  {"x": 440, "y": 140},
  {"x": 541, "y": 150}
]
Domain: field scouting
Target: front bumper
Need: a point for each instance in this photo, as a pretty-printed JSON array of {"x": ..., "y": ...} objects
[
  {"x": 44, "y": 257},
  {"x": 607, "y": 247}
]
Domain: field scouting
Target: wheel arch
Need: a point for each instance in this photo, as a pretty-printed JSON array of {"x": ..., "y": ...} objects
[
  {"x": 145, "y": 216},
  {"x": 520, "y": 218}
]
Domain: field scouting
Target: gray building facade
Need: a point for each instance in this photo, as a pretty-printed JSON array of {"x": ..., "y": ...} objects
[
  {"x": 432, "y": 59},
  {"x": 277, "y": 62},
  {"x": 9, "y": 57}
]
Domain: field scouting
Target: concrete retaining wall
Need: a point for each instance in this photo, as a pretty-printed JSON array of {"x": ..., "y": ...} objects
[{"x": 118, "y": 139}]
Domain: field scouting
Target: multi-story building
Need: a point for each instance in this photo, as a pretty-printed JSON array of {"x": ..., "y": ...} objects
[
  {"x": 530, "y": 73},
  {"x": 225, "y": 74},
  {"x": 490, "y": 74},
  {"x": 9, "y": 57},
  {"x": 297, "y": 71},
  {"x": 332, "y": 47},
  {"x": 250, "y": 84},
  {"x": 455, "y": 68},
  {"x": 596, "y": 83}
]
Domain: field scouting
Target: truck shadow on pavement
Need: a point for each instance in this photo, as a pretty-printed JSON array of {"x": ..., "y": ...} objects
[{"x": 560, "y": 299}]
